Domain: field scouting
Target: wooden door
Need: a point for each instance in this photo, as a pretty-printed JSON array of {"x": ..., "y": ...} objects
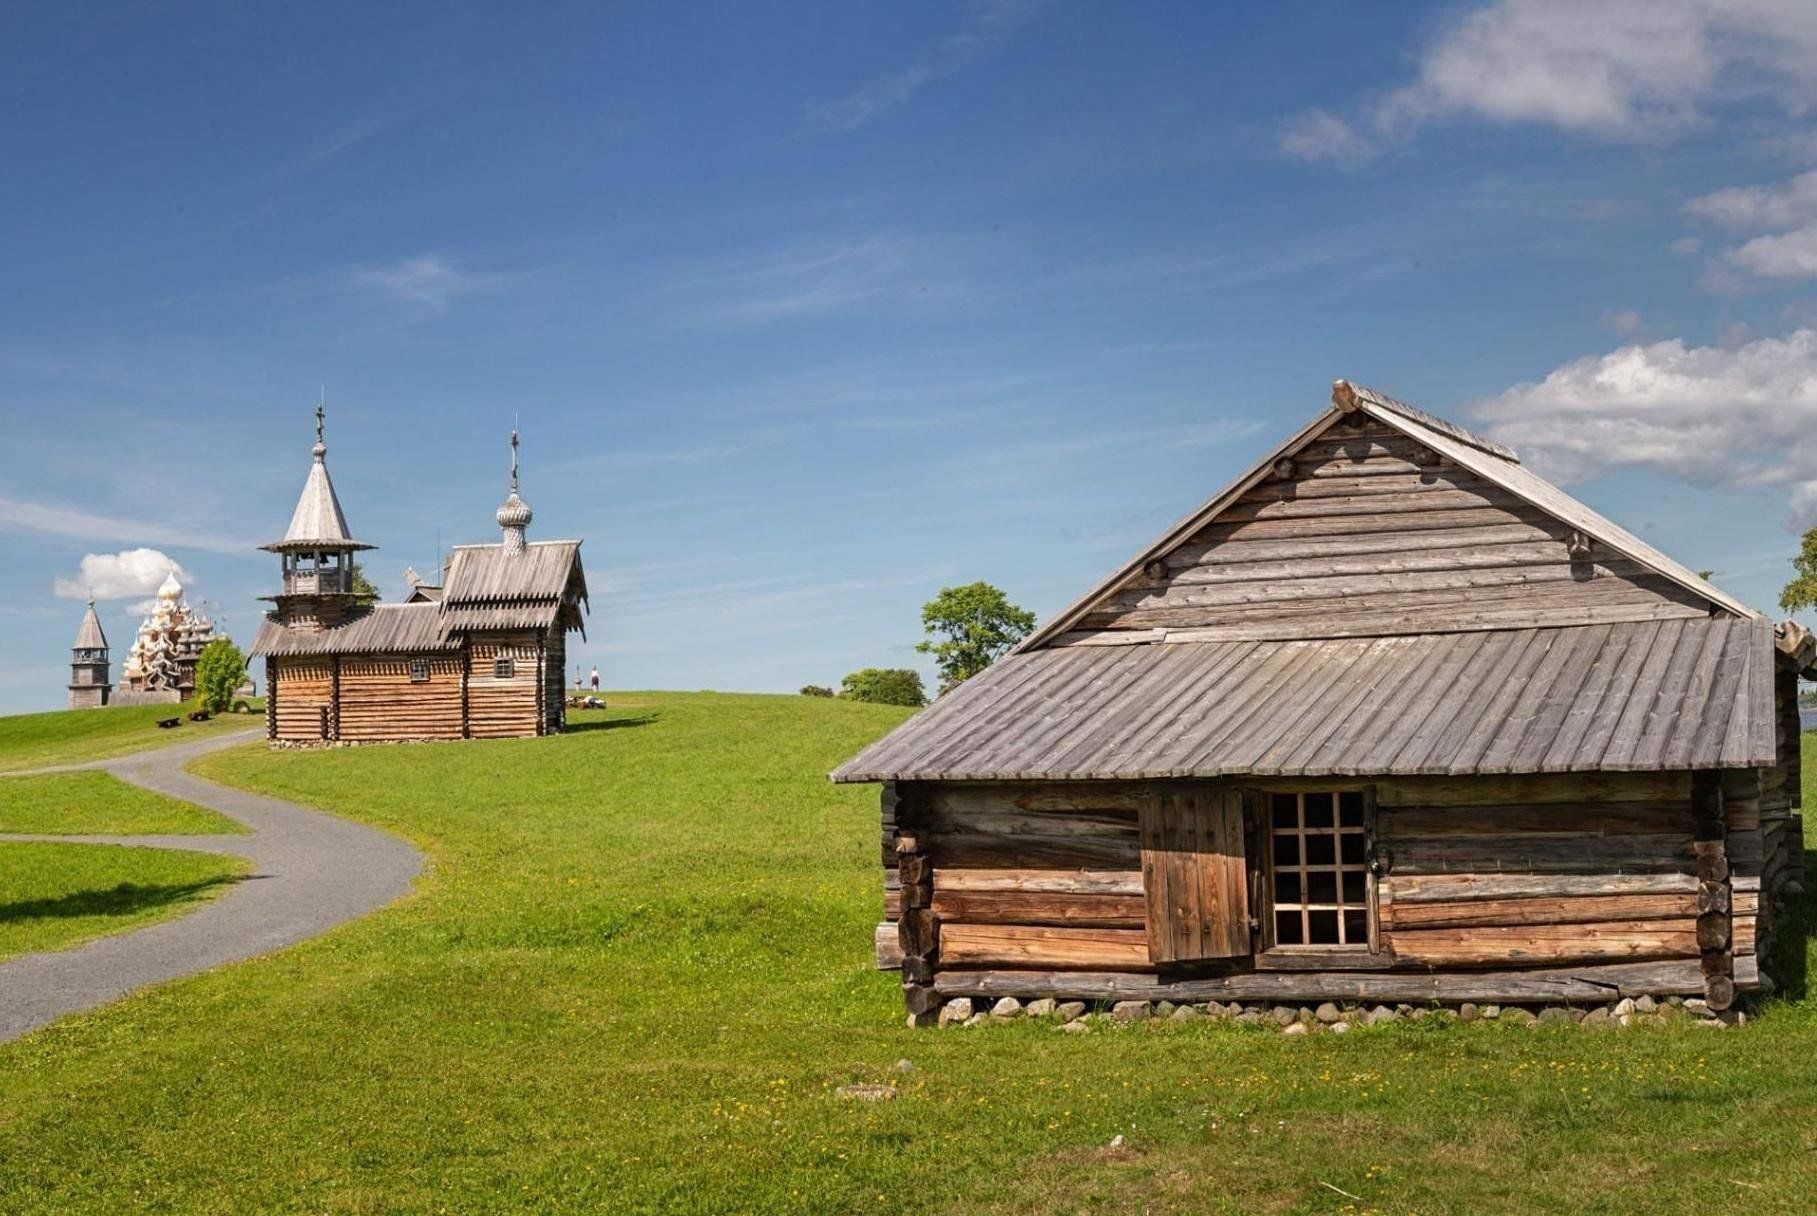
[{"x": 1194, "y": 875}]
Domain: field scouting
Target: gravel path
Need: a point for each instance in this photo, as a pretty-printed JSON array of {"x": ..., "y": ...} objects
[{"x": 310, "y": 872}]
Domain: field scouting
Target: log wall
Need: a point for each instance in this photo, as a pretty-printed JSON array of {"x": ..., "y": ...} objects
[
  {"x": 507, "y": 708},
  {"x": 1507, "y": 887},
  {"x": 378, "y": 700},
  {"x": 1371, "y": 533},
  {"x": 302, "y": 690}
]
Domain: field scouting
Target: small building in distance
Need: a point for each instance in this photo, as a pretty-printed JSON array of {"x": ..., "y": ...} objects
[
  {"x": 89, "y": 685},
  {"x": 481, "y": 657},
  {"x": 1390, "y": 718}
]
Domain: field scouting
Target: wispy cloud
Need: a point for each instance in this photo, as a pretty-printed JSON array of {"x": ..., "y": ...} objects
[
  {"x": 1619, "y": 69},
  {"x": 1783, "y": 216},
  {"x": 989, "y": 25},
  {"x": 814, "y": 280},
  {"x": 428, "y": 282},
  {"x": 53, "y": 519}
]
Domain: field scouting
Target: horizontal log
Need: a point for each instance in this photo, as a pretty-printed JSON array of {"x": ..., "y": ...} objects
[
  {"x": 889, "y": 950},
  {"x": 1548, "y": 910},
  {"x": 1604, "y": 982},
  {"x": 1041, "y": 908},
  {"x": 1386, "y": 623},
  {"x": 1059, "y": 882},
  {"x": 1566, "y": 853},
  {"x": 1015, "y": 945},
  {"x": 1489, "y": 946},
  {"x": 1583, "y": 818},
  {"x": 1434, "y": 496},
  {"x": 982, "y": 850},
  {"x": 1213, "y": 573},
  {"x": 1449, "y": 888},
  {"x": 1225, "y": 551}
]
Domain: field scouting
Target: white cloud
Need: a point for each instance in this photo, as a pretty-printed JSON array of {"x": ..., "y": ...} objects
[
  {"x": 1735, "y": 416},
  {"x": 427, "y": 281},
  {"x": 1784, "y": 216},
  {"x": 990, "y": 24},
  {"x": 113, "y": 576},
  {"x": 53, "y": 519},
  {"x": 1616, "y": 69}
]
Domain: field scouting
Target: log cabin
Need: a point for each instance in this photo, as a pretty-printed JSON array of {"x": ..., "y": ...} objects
[
  {"x": 481, "y": 658},
  {"x": 1390, "y": 718}
]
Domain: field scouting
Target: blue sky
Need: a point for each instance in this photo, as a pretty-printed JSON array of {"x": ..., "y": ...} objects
[{"x": 805, "y": 316}]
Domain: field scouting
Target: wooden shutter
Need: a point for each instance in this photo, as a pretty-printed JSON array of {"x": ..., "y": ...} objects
[{"x": 1194, "y": 875}]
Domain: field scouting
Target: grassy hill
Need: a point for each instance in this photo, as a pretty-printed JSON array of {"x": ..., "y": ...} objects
[
  {"x": 78, "y": 736},
  {"x": 639, "y": 967},
  {"x": 54, "y": 896}
]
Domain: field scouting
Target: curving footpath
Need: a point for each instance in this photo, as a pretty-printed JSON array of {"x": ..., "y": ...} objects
[{"x": 310, "y": 872}]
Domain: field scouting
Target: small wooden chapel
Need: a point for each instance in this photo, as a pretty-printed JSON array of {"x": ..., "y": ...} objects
[{"x": 483, "y": 660}]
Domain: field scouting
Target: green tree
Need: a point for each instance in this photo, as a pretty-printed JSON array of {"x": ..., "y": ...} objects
[
  {"x": 362, "y": 586},
  {"x": 219, "y": 670},
  {"x": 970, "y": 628},
  {"x": 816, "y": 690},
  {"x": 1801, "y": 592},
  {"x": 885, "y": 686}
]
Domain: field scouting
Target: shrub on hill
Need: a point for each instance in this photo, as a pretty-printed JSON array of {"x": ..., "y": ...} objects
[
  {"x": 885, "y": 686},
  {"x": 816, "y": 690}
]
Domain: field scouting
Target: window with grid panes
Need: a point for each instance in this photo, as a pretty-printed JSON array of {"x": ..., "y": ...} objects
[{"x": 1319, "y": 868}]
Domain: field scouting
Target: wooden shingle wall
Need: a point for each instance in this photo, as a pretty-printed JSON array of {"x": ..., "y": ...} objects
[{"x": 1369, "y": 532}]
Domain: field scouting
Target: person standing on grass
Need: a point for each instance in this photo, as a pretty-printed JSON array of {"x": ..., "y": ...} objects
[{"x": 595, "y": 679}]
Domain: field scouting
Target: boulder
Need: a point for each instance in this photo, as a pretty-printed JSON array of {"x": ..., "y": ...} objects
[
  {"x": 1551, "y": 1015},
  {"x": 1645, "y": 1004},
  {"x": 1164, "y": 1009},
  {"x": 1492, "y": 1011},
  {"x": 1076, "y": 1026},
  {"x": 1295, "y": 1028},
  {"x": 956, "y": 1011},
  {"x": 1624, "y": 1007},
  {"x": 1380, "y": 1014},
  {"x": 1043, "y": 1008},
  {"x": 1518, "y": 1017},
  {"x": 1007, "y": 1007},
  {"x": 1185, "y": 1013},
  {"x": 1468, "y": 1012},
  {"x": 1340, "y": 1028},
  {"x": 1282, "y": 1015},
  {"x": 1328, "y": 1013},
  {"x": 1068, "y": 1011},
  {"x": 1130, "y": 1011},
  {"x": 1599, "y": 1016}
]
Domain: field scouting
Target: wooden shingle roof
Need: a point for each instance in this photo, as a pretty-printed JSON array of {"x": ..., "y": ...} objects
[
  {"x": 381, "y": 629},
  {"x": 1646, "y": 695},
  {"x": 89, "y": 635}
]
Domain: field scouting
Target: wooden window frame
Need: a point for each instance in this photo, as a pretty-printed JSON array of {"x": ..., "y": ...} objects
[
  {"x": 504, "y": 667},
  {"x": 1263, "y": 900},
  {"x": 419, "y": 671}
]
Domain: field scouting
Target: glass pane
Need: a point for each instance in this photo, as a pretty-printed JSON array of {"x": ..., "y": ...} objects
[
  {"x": 1286, "y": 850},
  {"x": 1356, "y": 928},
  {"x": 1287, "y": 886},
  {"x": 1324, "y": 928},
  {"x": 1354, "y": 848},
  {"x": 1318, "y": 810},
  {"x": 1321, "y": 850},
  {"x": 1322, "y": 887},
  {"x": 1350, "y": 809},
  {"x": 1354, "y": 889},
  {"x": 1287, "y": 929},
  {"x": 1286, "y": 812}
]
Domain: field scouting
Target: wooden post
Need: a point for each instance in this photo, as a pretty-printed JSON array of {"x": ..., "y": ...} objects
[
  {"x": 333, "y": 729},
  {"x": 271, "y": 698},
  {"x": 1715, "y": 922},
  {"x": 466, "y": 675},
  {"x": 917, "y": 930}
]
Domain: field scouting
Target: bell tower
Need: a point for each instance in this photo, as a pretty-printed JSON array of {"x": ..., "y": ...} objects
[
  {"x": 316, "y": 552},
  {"x": 88, "y": 664}
]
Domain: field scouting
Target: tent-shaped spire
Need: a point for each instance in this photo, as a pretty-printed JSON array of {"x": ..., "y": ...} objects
[
  {"x": 89, "y": 636},
  {"x": 317, "y": 523}
]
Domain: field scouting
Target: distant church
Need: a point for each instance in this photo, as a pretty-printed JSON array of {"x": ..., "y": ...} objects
[
  {"x": 161, "y": 666},
  {"x": 480, "y": 657}
]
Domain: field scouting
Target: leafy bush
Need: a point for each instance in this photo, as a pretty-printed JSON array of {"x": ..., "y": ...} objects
[
  {"x": 219, "y": 671},
  {"x": 885, "y": 686},
  {"x": 816, "y": 690}
]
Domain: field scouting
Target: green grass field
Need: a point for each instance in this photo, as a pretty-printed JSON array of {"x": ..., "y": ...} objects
[
  {"x": 640, "y": 965},
  {"x": 87, "y": 803},
  {"x": 65, "y": 737},
  {"x": 53, "y": 896}
]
